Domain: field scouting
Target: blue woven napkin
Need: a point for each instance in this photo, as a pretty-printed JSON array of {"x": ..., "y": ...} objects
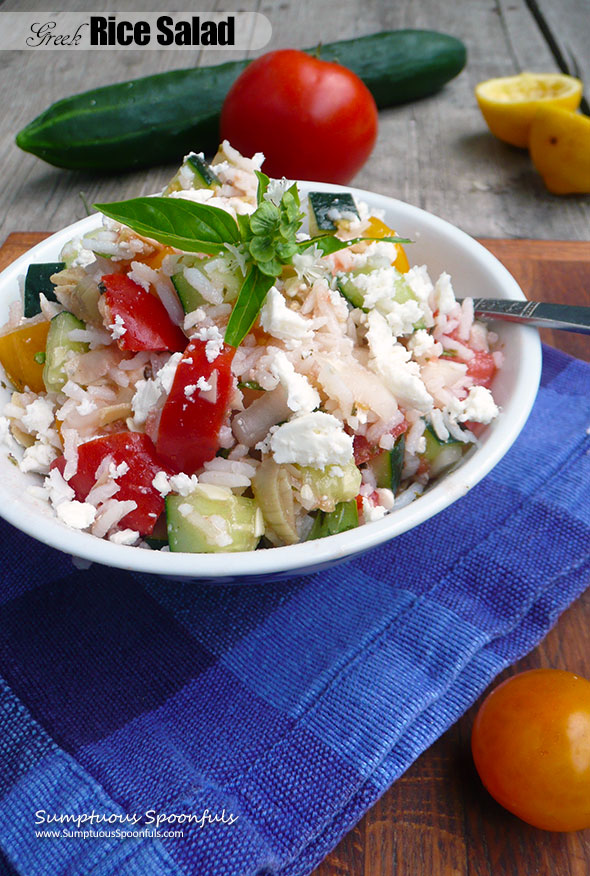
[{"x": 263, "y": 721}]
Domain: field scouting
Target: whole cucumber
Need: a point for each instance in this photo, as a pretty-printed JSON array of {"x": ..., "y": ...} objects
[{"x": 157, "y": 119}]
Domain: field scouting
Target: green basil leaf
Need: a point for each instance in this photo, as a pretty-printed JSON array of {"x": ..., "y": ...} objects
[
  {"x": 327, "y": 243},
  {"x": 247, "y": 307},
  {"x": 263, "y": 183},
  {"x": 176, "y": 222},
  {"x": 265, "y": 218}
]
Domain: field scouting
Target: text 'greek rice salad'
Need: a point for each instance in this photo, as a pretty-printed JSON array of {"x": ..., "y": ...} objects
[{"x": 199, "y": 374}]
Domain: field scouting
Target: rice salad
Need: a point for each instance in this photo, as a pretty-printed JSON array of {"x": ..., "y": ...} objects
[{"x": 225, "y": 368}]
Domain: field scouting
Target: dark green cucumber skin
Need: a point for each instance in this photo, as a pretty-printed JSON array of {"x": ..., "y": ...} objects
[
  {"x": 37, "y": 281},
  {"x": 157, "y": 119}
]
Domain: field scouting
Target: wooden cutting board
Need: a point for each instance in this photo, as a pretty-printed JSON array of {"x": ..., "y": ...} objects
[{"x": 437, "y": 820}]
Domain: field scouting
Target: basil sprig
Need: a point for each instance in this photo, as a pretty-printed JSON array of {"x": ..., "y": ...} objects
[
  {"x": 176, "y": 222},
  {"x": 267, "y": 238}
]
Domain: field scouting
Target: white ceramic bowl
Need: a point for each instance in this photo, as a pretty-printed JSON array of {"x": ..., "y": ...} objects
[{"x": 442, "y": 247}]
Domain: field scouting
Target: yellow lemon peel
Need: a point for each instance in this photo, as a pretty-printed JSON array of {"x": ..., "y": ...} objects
[
  {"x": 560, "y": 149},
  {"x": 509, "y": 103}
]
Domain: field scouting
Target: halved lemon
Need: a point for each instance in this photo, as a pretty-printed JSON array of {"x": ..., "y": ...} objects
[
  {"x": 559, "y": 144},
  {"x": 509, "y": 103}
]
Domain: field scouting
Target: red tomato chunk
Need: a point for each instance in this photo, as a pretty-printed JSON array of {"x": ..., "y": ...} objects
[
  {"x": 143, "y": 320},
  {"x": 138, "y": 452},
  {"x": 188, "y": 431}
]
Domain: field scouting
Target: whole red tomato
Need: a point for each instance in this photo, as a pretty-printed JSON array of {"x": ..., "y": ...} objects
[
  {"x": 531, "y": 747},
  {"x": 312, "y": 119}
]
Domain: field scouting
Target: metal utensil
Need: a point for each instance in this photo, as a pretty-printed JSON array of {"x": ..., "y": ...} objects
[{"x": 542, "y": 314}]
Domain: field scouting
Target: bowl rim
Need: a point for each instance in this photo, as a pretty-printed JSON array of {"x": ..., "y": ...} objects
[{"x": 306, "y": 556}]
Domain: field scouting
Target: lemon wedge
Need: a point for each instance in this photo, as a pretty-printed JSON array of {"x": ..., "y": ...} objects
[
  {"x": 509, "y": 103},
  {"x": 559, "y": 144}
]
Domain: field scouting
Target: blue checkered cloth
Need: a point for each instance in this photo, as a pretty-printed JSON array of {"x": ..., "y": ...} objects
[{"x": 288, "y": 708}]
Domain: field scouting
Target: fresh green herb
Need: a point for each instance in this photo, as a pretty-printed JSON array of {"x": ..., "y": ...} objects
[
  {"x": 327, "y": 243},
  {"x": 176, "y": 222},
  {"x": 345, "y": 516},
  {"x": 39, "y": 358},
  {"x": 247, "y": 307},
  {"x": 448, "y": 354},
  {"x": 267, "y": 237}
]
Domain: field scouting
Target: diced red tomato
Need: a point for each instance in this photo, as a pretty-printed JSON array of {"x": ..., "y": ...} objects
[
  {"x": 482, "y": 367},
  {"x": 188, "y": 431},
  {"x": 364, "y": 451},
  {"x": 139, "y": 453},
  {"x": 143, "y": 317}
]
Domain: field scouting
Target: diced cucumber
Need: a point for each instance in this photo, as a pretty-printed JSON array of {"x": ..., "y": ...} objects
[
  {"x": 323, "y": 203},
  {"x": 204, "y": 176},
  {"x": 441, "y": 455},
  {"x": 36, "y": 282},
  {"x": 348, "y": 288},
  {"x": 211, "y": 520},
  {"x": 387, "y": 466},
  {"x": 60, "y": 347},
  {"x": 335, "y": 483},
  {"x": 197, "y": 170},
  {"x": 345, "y": 516},
  {"x": 190, "y": 298}
]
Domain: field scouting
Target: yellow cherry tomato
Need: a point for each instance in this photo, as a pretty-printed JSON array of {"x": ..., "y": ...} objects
[
  {"x": 531, "y": 747},
  {"x": 377, "y": 228},
  {"x": 18, "y": 349}
]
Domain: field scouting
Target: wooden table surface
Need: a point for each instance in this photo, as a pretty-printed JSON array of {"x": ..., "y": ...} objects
[{"x": 436, "y": 820}]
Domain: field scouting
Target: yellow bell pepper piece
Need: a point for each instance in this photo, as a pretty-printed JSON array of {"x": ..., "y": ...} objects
[
  {"x": 377, "y": 228},
  {"x": 17, "y": 355}
]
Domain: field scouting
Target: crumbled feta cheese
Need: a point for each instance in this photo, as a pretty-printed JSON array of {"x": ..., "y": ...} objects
[
  {"x": 314, "y": 439},
  {"x": 161, "y": 484},
  {"x": 59, "y": 491},
  {"x": 124, "y": 536},
  {"x": 189, "y": 389},
  {"x": 444, "y": 296},
  {"x": 203, "y": 385},
  {"x": 183, "y": 484},
  {"x": 77, "y": 515},
  {"x": 479, "y": 406},
  {"x": 117, "y": 471},
  {"x": 280, "y": 321},
  {"x": 117, "y": 328},
  {"x": 301, "y": 396},
  {"x": 391, "y": 361},
  {"x": 423, "y": 345},
  {"x": 38, "y": 458},
  {"x": 38, "y": 416},
  {"x": 372, "y": 512},
  {"x": 213, "y": 341},
  {"x": 86, "y": 406}
]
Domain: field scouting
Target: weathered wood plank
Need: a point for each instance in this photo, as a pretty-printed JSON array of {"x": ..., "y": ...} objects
[
  {"x": 566, "y": 27},
  {"x": 436, "y": 153}
]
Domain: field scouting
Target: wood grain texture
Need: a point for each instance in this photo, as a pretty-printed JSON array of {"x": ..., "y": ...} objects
[
  {"x": 435, "y": 153},
  {"x": 437, "y": 820}
]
